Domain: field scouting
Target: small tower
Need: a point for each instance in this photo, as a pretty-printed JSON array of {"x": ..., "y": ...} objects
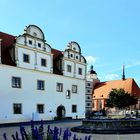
[
  {"x": 93, "y": 74},
  {"x": 123, "y": 75}
]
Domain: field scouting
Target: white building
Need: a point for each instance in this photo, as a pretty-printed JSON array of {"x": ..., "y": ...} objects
[{"x": 39, "y": 82}]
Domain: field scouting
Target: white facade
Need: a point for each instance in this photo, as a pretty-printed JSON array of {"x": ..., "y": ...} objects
[
  {"x": 29, "y": 96},
  {"x": 36, "y": 86}
]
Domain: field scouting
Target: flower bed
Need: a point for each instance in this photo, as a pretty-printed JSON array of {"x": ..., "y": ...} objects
[{"x": 38, "y": 133}]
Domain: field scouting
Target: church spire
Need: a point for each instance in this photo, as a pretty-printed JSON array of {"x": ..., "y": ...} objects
[{"x": 123, "y": 75}]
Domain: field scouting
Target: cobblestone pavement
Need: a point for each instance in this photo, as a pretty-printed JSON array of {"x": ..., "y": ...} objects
[{"x": 11, "y": 130}]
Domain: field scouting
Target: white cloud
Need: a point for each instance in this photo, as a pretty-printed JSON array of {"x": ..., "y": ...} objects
[
  {"x": 134, "y": 64},
  {"x": 111, "y": 76},
  {"x": 90, "y": 59}
]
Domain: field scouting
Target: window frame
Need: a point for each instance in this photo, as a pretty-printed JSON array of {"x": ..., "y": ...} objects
[
  {"x": 69, "y": 68},
  {"x": 77, "y": 57},
  {"x": 74, "y": 88},
  {"x": 40, "y": 108},
  {"x": 68, "y": 94},
  {"x": 39, "y": 45},
  {"x": 88, "y": 91},
  {"x": 88, "y": 104},
  {"x": 17, "y": 108},
  {"x": 80, "y": 71},
  {"x": 88, "y": 84},
  {"x": 74, "y": 108},
  {"x": 45, "y": 62},
  {"x": 40, "y": 85},
  {"x": 16, "y": 82},
  {"x": 59, "y": 87},
  {"x": 30, "y": 42},
  {"x": 26, "y": 58}
]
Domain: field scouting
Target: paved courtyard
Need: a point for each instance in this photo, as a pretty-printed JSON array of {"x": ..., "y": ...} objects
[{"x": 69, "y": 124}]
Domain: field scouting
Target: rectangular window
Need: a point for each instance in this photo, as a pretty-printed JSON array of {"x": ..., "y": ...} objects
[
  {"x": 39, "y": 45},
  {"x": 40, "y": 84},
  {"x": 43, "y": 62},
  {"x": 68, "y": 94},
  {"x": 16, "y": 82},
  {"x": 88, "y": 91},
  {"x": 59, "y": 87},
  {"x": 74, "y": 108},
  {"x": 40, "y": 108},
  {"x": 26, "y": 58},
  {"x": 88, "y": 97},
  {"x": 74, "y": 88},
  {"x": 68, "y": 68},
  {"x": 30, "y": 42},
  {"x": 80, "y": 71},
  {"x": 17, "y": 108},
  {"x": 89, "y": 84},
  {"x": 88, "y": 104}
]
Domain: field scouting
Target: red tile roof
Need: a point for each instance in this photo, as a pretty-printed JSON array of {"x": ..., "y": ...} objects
[
  {"x": 7, "y": 40},
  {"x": 56, "y": 53},
  {"x": 102, "y": 89},
  {"x": 56, "y": 61},
  {"x": 6, "y": 44}
]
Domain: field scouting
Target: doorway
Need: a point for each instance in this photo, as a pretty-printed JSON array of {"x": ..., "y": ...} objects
[{"x": 61, "y": 112}]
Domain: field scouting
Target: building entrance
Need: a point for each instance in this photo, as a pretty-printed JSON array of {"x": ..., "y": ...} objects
[{"x": 61, "y": 112}]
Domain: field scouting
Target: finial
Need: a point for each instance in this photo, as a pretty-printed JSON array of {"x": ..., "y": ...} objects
[
  {"x": 91, "y": 67},
  {"x": 123, "y": 75}
]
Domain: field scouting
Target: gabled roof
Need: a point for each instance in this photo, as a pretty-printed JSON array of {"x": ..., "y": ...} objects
[
  {"x": 6, "y": 44},
  {"x": 56, "y": 61},
  {"x": 56, "y": 53},
  {"x": 7, "y": 40},
  {"x": 102, "y": 89}
]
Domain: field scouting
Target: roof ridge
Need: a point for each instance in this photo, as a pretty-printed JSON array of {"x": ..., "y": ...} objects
[
  {"x": 7, "y": 34},
  {"x": 118, "y": 80}
]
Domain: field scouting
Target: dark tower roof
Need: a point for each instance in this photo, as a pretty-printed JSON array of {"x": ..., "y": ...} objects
[{"x": 92, "y": 71}]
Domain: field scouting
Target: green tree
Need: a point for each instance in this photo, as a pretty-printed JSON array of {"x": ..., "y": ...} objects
[{"x": 120, "y": 99}]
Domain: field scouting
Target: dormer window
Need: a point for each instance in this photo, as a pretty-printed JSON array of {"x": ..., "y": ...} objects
[
  {"x": 77, "y": 57},
  {"x": 71, "y": 55},
  {"x": 30, "y": 42},
  {"x": 39, "y": 45}
]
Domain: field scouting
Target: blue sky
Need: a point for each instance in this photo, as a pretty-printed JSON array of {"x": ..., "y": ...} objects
[{"x": 108, "y": 31}]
